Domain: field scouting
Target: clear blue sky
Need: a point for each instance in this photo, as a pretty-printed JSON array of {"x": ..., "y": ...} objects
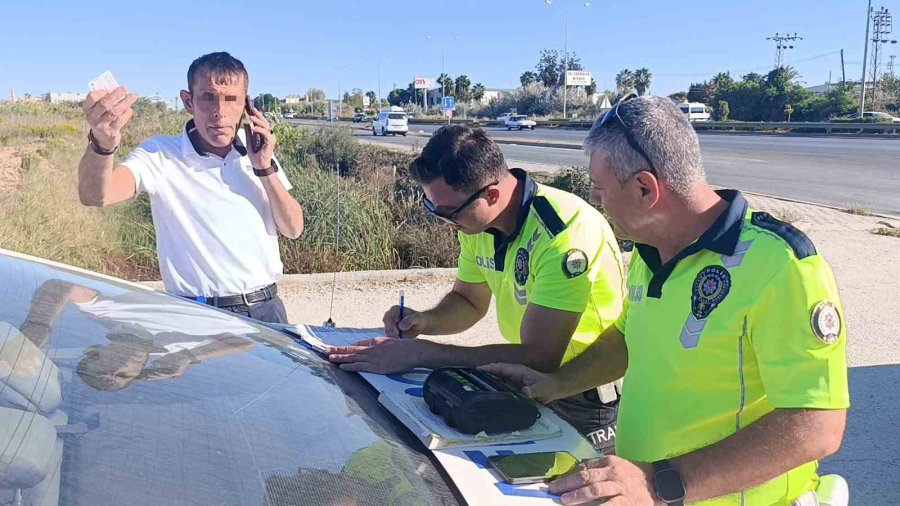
[{"x": 289, "y": 46}]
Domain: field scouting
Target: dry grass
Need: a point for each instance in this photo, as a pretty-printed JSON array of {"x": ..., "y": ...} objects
[
  {"x": 858, "y": 210},
  {"x": 42, "y": 215},
  {"x": 788, "y": 216}
]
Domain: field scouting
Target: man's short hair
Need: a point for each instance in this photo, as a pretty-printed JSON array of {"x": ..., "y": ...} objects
[
  {"x": 465, "y": 157},
  {"x": 221, "y": 66},
  {"x": 662, "y": 131}
]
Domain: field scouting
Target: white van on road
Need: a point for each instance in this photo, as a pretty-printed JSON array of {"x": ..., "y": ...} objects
[
  {"x": 391, "y": 121},
  {"x": 694, "y": 111}
]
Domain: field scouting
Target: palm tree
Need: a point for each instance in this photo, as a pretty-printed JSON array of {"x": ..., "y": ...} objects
[
  {"x": 478, "y": 92},
  {"x": 642, "y": 79},
  {"x": 624, "y": 81}
]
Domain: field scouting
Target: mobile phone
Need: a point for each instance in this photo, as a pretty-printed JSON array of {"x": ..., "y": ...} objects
[
  {"x": 254, "y": 141},
  {"x": 532, "y": 467}
]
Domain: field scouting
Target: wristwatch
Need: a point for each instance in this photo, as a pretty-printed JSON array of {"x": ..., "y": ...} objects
[
  {"x": 273, "y": 168},
  {"x": 667, "y": 483}
]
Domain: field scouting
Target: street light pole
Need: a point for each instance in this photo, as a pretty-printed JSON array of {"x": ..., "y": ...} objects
[
  {"x": 442, "y": 78},
  {"x": 566, "y": 68},
  {"x": 566, "y": 53}
]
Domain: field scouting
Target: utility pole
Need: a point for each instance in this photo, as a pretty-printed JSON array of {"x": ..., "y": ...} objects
[
  {"x": 890, "y": 65},
  {"x": 782, "y": 43},
  {"x": 862, "y": 83},
  {"x": 881, "y": 30},
  {"x": 843, "y": 71}
]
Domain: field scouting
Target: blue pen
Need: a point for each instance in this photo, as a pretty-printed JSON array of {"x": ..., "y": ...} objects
[{"x": 400, "y": 332}]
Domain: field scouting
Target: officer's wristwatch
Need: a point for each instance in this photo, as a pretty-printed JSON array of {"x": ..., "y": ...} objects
[{"x": 667, "y": 483}]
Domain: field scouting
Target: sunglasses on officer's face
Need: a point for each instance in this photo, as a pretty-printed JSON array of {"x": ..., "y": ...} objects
[
  {"x": 614, "y": 113},
  {"x": 451, "y": 216}
]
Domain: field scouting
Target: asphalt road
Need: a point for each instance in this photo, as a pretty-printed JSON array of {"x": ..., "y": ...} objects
[{"x": 836, "y": 171}]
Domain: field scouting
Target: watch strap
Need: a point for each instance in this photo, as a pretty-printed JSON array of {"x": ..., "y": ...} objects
[
  {"x": 664, "y": 466},
  {"x": 92, "y": 142},
  {"x": 273, "y": 168}
]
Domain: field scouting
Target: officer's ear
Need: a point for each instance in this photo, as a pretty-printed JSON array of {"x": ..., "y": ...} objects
[
  {"x": 648, "y": 188},
  {"x": 492, "y": 195}
]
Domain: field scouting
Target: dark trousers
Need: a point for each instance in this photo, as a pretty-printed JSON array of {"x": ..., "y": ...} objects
[
  {"x": 593, "y": 418},
  {"x": 271, "y": 311}
]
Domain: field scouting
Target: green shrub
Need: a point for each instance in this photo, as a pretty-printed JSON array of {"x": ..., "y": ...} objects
[
  {"x": 864, "y": 120},
  {"x": 30, "y": 162},
  {"x": 330, "y": 201}
]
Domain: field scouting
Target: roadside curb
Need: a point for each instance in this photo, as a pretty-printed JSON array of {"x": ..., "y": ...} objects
[
  {"x": 325, "y": 279},
  {"x": 518, "y": 142},
  {"x": 817, "y": 204}
]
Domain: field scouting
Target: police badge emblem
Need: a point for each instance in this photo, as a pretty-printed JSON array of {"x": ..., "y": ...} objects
[
  {"x": 711, "y": 286},
  {"x": 521, "y": 266},
  {"x": 826, "y": 322},
  {"x": 575, "y": 263}
]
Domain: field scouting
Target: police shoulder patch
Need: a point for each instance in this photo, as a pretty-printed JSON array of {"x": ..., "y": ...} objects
[
  {"x": 711, "y": 286},
  {"x": 521, "y": 272},
  {"x": 575, "y": 263},
  {"x": 826, "y": 322}
]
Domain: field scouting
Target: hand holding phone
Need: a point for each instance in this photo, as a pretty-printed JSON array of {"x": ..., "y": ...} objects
[
  {"x": 532, "y": 467},
  {"x": 254, "y": 140}
]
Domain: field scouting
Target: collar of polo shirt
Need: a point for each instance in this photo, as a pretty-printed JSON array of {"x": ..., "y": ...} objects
[
  {"x": 189, "y": 147},
  {"x": 722, "y": 237},
  {"x": 529, "y": 189}
]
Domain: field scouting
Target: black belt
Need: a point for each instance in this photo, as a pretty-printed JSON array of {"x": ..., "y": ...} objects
[{"x": 244, "y": 299}]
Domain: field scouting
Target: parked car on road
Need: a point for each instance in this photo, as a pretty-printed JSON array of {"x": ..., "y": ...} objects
[
  {"x": 875, "y": 115},
  {"x": 289, "y": 115},
  {"x": 360, "y": 117},
  {"x": 519, "y": 121}
]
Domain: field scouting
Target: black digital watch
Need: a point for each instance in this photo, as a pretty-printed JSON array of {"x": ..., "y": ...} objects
[{"x": 667, "y": 483}]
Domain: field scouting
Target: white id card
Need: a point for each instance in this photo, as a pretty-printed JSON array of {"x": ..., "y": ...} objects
[{"x": 104, "y": 81}]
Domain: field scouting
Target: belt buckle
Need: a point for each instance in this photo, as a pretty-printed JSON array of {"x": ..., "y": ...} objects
[{"x": 246, "y": 302}]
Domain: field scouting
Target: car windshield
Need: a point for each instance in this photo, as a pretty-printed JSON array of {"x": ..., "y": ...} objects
[
  {"x": 396, "y": 115},
  {"x": 113, "y": 395}
]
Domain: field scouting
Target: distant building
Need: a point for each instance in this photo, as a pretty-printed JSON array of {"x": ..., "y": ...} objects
[
  {"x": 492, "y": 94},
  {"x": 434, "y": 96},
  {"x": 294, "y": 99},
  {"x": 65, "y": 97},
  {"x": 825, "y": 88}
]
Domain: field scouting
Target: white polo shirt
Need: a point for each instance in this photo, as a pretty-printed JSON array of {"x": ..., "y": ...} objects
[{"x": 215, "y": 232}]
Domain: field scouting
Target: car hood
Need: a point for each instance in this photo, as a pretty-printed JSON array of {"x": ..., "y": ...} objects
[{"x": 116, "y": 394}]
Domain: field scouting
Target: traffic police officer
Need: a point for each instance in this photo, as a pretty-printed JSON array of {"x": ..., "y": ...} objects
[
  {"x": 548, "y": 257},
  {"x": 732, "y": 336}
]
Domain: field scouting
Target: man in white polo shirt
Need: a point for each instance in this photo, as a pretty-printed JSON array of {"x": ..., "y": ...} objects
[{"x": 218, "y": 201}]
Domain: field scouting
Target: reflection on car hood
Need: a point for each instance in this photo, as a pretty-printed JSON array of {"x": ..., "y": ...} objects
[{"x": 115, "y": 394}]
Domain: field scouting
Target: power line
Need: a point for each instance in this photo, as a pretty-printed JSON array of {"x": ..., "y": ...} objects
[{"x": 751, "y": 69}]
